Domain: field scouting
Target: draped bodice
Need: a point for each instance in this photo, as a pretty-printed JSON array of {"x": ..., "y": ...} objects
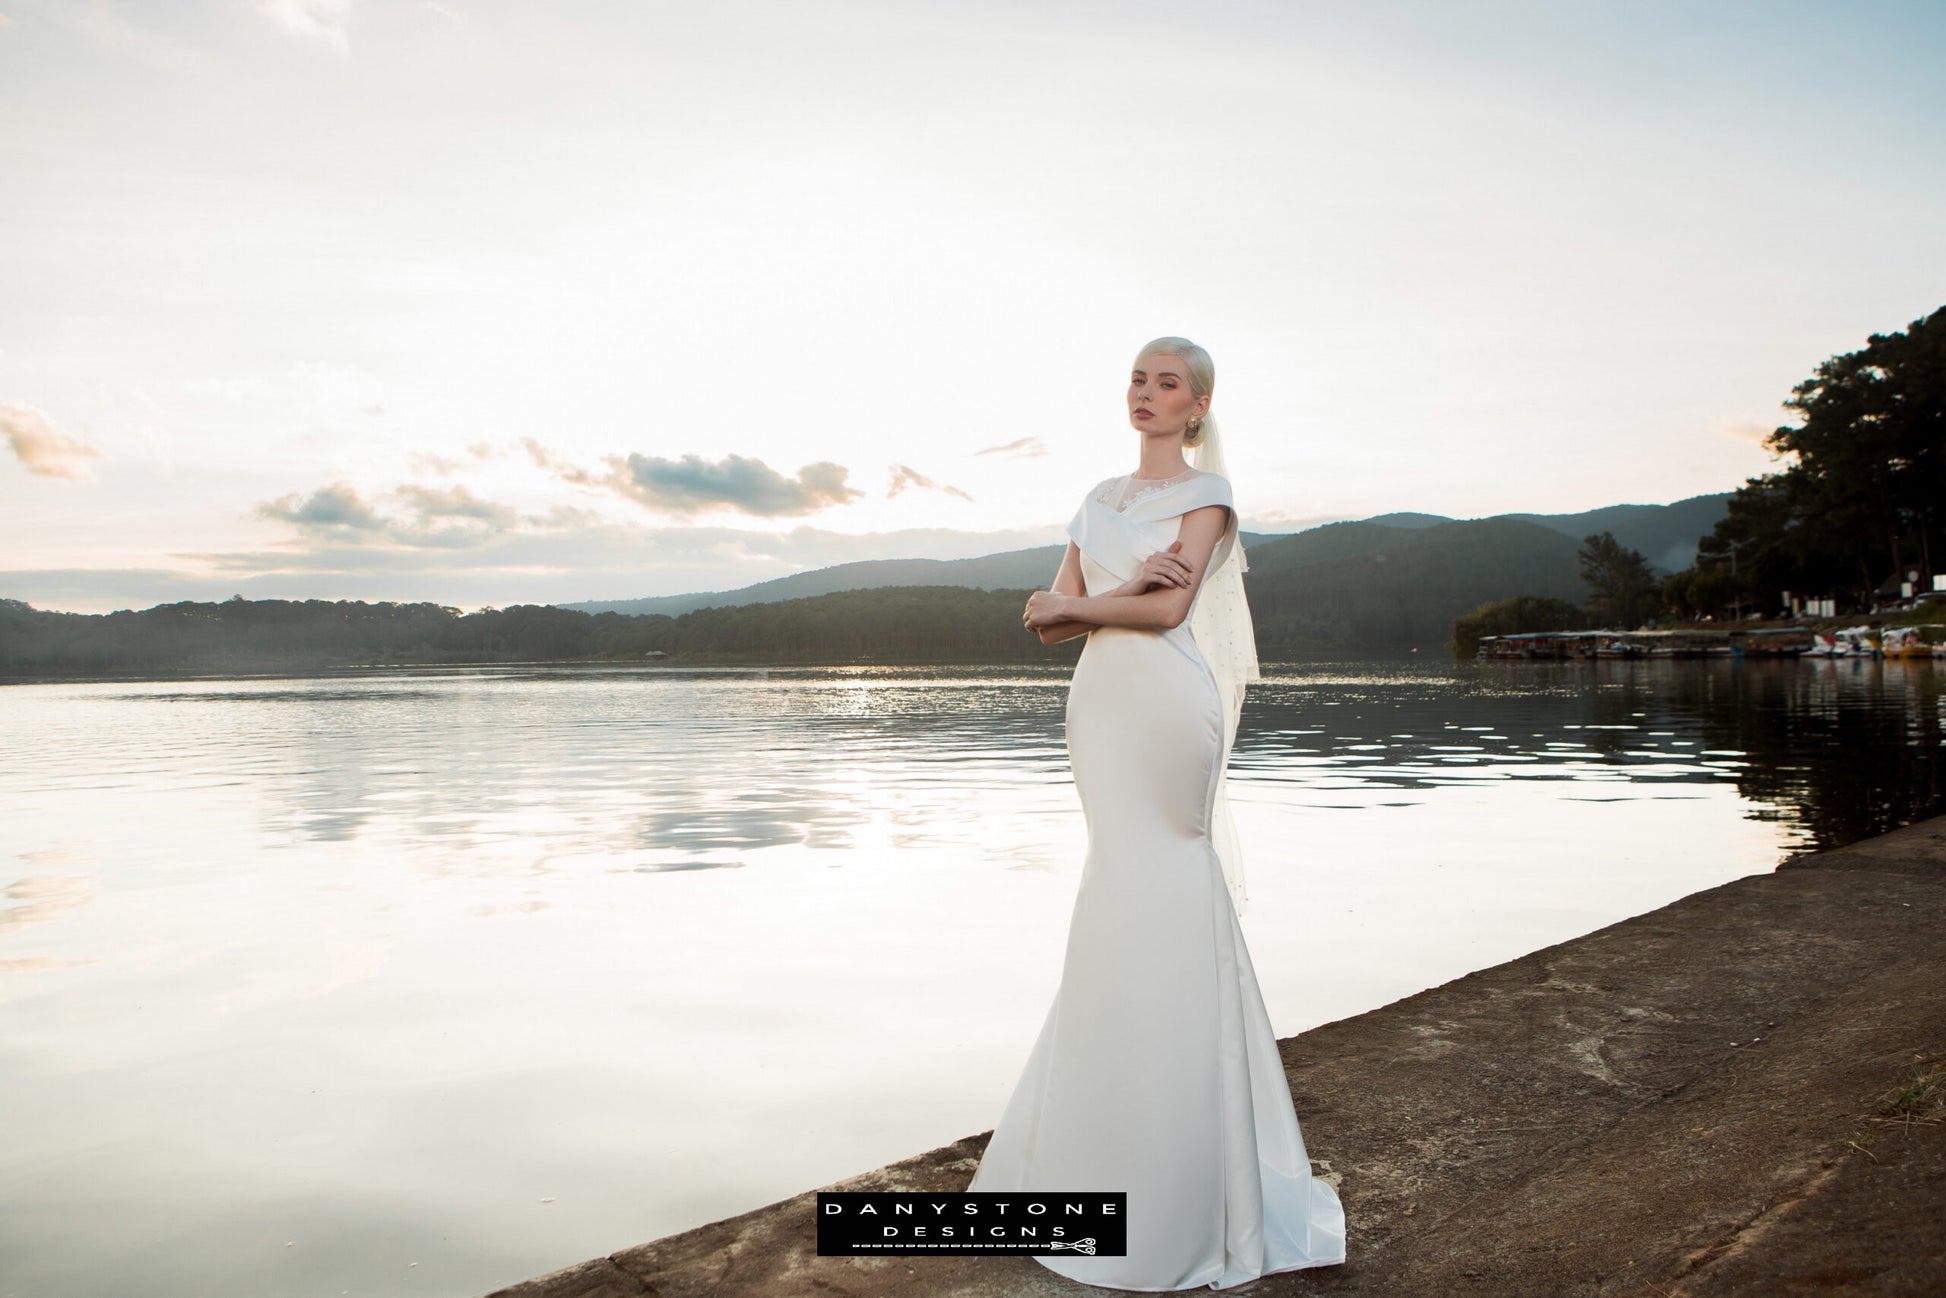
[
  {"x": 1120, "y": 523},
  {"x": 1150, "y": 517}
]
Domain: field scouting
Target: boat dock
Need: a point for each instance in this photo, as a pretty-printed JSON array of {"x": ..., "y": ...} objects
[
  {"x": 1645, "y": 644},
  {"x": 1924, "y": 641}
]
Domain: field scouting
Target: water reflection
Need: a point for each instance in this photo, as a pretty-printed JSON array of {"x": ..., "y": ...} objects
[
  {"x": 679, "y": 765},
  {"x": 383, "y": 964},
  {"x": 1835, "y": 751}
]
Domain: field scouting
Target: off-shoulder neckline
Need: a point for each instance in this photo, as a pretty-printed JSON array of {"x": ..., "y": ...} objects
[
  {"x": 1121, "y": 492},
  {"x": 1144, "y": 484}
]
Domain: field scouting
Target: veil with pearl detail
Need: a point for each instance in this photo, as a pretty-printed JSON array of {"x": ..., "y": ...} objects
[{"x": 1220, "y": 620}]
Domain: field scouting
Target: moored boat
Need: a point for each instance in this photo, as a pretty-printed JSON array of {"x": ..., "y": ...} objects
[{"x": 1920, "y": 641}]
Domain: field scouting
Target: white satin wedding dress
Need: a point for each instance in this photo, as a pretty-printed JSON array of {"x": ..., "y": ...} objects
[{"x": 1156, "y": 1071}]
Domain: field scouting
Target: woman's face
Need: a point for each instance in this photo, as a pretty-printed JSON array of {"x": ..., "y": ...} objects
[{"x": 1159, "y": 399}]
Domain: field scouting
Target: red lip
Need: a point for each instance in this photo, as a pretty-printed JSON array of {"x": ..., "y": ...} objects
[{"x": 1142, "y": 410}]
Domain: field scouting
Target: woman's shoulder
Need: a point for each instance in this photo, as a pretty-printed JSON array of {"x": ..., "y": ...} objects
[
  {"x": 1209, "y": 489},
  {"x": 1203, "y": 491}
]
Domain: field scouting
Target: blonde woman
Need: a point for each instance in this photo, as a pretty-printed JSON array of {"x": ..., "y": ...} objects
[{"x": 1156, "y": 1070}]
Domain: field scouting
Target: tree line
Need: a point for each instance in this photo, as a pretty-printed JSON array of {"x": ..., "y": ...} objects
[
  {"x": 1861, "y": 499},
  {"x": 1857, "y": 509},
  {"x": 891, "y": 624}
]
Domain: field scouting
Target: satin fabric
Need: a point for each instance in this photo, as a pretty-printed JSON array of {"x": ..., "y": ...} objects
[{"x": 1156, "y": 1070}]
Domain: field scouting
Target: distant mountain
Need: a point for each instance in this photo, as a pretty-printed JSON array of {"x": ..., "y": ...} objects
[
  {"x": 1325, "y": 543},
  {"x": 1009, "y": 570},
  {"x": 1407, "y": 520},
  {"x": 1665, "y": 534},
  {"x": 1371, "y": 583},
  {"x": 1354, "y": 585},
  {"x": 1029, "y": 569},
  {"x": 1354, "y": 588},
  {"x": 1351, "y": 588}
]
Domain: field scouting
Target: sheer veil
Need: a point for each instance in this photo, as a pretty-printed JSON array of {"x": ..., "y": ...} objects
[{"x": 1220, "y": 621}]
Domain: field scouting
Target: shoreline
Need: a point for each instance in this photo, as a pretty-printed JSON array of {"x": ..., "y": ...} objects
[
  {"x": 1383, "y": 654},
  {"x": 1722, "y": 1095}
]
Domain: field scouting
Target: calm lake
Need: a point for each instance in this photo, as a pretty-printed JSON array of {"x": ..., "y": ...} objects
[{"x": 428, "y": 981}]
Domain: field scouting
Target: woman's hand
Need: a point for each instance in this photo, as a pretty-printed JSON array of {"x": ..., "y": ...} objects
[
  {"x": 1044, "y": 609},
  {"x": 1162, "y": 568}
]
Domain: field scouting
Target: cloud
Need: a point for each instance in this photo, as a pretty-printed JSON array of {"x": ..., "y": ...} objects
[
  {"x": 43, "y": 448},
  {"x": 477, "y": 452},
  {"x": 456, "y": 502},
  {"x": 736, "y": 482},
  {"x": 1024, "y": 447},
  {"x": 904, "y": 475},
  {"x": 546, "y": 459},
  {"x": 317, "y": 20},
  {"x": 693, "y": 485},
  {"x": 436, "y": 517},
  {"x": 336, "y": 508}
]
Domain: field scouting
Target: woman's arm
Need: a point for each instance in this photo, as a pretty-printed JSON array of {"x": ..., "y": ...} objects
[
  {"x": 1155, "y": 610},
  {"x": 1066, "y": 582}
]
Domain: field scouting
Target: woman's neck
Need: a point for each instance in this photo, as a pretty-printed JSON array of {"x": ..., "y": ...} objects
[{"x": 1161, "y": 459}]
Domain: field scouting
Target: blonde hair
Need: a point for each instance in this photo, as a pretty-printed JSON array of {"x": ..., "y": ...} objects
[{"x": 1202, "y": 376}]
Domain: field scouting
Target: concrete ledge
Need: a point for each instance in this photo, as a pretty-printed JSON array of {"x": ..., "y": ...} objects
[
  {"x": 1696, "y": 1101},
  {"x": 1919, "y": 848}
]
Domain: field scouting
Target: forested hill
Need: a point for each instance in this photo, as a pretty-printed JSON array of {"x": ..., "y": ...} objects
[
  {"x": 1665, "y": 534},
  {"x": 1029, "y": 569},
  {"x": 1346, "y": 588},
  {"x": 1352, "y": 587},
  {"x": 900, "y": 624}
]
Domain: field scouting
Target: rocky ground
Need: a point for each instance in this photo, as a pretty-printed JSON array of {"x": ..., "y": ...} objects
[{"x": 1743, "y": 1092}]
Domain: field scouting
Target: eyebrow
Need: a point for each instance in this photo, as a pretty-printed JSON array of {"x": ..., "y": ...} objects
[{"x": 1164, "y": 373}]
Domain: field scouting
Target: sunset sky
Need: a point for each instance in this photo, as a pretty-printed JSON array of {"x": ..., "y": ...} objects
[{"x": 490, "y": 303}]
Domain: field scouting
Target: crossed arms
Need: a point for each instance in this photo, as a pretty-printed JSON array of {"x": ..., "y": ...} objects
[{"x": 1156, "y": 598}]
